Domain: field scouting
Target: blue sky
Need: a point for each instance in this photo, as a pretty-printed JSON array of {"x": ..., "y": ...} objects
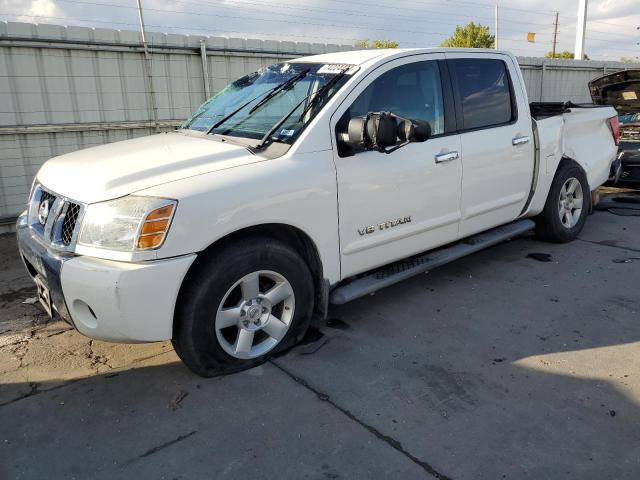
[{"x": 612, "y": 29}]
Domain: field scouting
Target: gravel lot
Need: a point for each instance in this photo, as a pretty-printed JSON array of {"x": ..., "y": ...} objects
[{"x": 497, "y": 366}]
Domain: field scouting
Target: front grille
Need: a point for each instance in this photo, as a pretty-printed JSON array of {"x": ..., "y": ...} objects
[
  {"x": 54, "y": 218},
  {"x": 69, "y": 222},
  {"x": 46, "y": 196},
  {"x": 630, "y": 133}
]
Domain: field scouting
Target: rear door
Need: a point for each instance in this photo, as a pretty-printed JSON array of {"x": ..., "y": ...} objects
[
  {"x": 395, "y": 205},
  {"x": 496, "y": 137}
]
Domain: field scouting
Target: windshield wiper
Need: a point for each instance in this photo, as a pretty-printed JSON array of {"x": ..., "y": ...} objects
[
  {"x": 283, "y": 86},
  {"x": 228, "y": 116},
  {"x": 269, "y": 93},
  {"x": 319, "y": 94},
  {"x": 266, "y": 139}
]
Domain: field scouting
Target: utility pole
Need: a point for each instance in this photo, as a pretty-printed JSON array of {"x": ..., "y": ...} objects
[
  {"x": 148, "y": 67},
  {"x": 555, "y": 36},
  {"x": 581, "y": 28},
  {"x": 142, "y": 31},
  {"x": 497, "y": 29}
]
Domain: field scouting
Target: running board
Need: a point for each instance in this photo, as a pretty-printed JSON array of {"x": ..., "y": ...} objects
[{"x": 399, "y": 271}]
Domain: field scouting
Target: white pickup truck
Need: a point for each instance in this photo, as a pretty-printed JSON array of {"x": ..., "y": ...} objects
[{"x": 309, "y": 182}]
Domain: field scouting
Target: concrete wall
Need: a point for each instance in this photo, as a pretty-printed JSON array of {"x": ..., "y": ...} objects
[{"x": 67, "y": 88}]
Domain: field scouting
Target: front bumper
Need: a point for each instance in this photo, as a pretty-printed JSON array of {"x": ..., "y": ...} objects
[
  {"x": 108, "y": 300},
  {"x": 39, "y": 260}
]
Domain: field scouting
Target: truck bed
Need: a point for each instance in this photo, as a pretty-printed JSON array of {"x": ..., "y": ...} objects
[
  {"x": 568, "y": 131},
  {"x": 540, "y": 110}
]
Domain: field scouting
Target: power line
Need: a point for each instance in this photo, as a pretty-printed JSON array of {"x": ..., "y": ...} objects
[
  {"x": 360, "y": 26},
  {"x": 439, "y": 34},
  {"x": 173, "y": 27},
  {"x": 529, "y": 49},
  {"x": 359, "y": 13},
  {"x": 457, "y": 3},
  {"x": 287, "y": 6}
]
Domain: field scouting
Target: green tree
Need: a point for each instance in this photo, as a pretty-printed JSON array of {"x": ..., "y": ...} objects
[
  {"x": 628, "y": 60},
  {"x": 472, "y": 35},
  {"x": 564, "y": 54},
  {"x": 363, "y": 44}
]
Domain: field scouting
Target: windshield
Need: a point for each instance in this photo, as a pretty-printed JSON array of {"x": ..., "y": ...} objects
[
  {"x": 629, "y": 118},
  {"x": 251, "y": 106}
]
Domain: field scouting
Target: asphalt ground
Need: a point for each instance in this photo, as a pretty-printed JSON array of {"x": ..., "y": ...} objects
[{"x": 500, "y": 365}]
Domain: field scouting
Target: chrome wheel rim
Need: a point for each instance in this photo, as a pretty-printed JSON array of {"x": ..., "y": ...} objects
[
  {"x": 570, "y": 203},
  {"x": 255, "y": 314}
]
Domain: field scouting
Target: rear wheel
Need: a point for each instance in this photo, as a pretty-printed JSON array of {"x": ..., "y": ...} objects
[
  {"x": 567, "y": 205},
  {"x": 243, "y": 304}
]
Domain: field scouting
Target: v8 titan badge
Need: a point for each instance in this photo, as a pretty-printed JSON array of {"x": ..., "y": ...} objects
[{"x": 384, "y": 225}]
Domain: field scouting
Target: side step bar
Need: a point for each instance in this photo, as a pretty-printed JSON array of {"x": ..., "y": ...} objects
[{"x": 396, "y": 272}]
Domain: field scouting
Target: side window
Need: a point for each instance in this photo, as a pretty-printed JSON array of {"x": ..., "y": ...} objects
[
  {"x": 411, "y": 91},
  {"x": 484, "y": 89}
]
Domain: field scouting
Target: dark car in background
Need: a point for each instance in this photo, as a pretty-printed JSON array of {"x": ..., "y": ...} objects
[{"x": 621, "y": 90}]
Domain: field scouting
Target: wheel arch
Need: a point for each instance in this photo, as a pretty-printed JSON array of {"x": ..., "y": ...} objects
[
  {"x": 291, "y": 236},
  {"x": 567, "y": 159}
]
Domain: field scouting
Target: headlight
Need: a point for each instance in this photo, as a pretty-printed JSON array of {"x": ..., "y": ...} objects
[{"x": 127, "y": 223}]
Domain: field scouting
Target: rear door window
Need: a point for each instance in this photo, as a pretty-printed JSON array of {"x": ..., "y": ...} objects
[{"x": 484, "y": 93}]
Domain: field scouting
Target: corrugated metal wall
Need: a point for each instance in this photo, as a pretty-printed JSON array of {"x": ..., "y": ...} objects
[
  {"x": 558, "y": 80},
  {"x": 67, "y": 88}
]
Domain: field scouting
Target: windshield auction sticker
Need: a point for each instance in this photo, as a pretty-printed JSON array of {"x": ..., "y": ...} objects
[{"x": 335, "y": 68}]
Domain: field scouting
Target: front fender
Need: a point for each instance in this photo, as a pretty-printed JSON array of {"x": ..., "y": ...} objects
[{"x": 298, "y": 190}]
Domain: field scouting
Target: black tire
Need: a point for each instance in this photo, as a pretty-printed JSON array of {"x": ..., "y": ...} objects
[
  {"x": 194, "y": 333},
  {"x": 549, "y": 226}
]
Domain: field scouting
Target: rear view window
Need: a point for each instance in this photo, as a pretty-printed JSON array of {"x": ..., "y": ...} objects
[{"x": 485, "y": 92}]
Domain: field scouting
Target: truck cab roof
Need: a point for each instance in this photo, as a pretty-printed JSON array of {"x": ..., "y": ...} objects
[{"x": 360, "y": 57}]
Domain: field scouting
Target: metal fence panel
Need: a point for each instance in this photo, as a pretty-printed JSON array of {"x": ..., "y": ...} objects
[
  {"x": 560, "y": 80},
  {"x": 67, "y": 88}
]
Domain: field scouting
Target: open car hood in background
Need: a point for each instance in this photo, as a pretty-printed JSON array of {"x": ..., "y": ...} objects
[{"x": 621, "y": 90}]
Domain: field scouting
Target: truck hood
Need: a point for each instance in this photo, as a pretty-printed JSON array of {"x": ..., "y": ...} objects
[
  {"x": 116, "y": 169},
  {"x": 621, "y": 90}
]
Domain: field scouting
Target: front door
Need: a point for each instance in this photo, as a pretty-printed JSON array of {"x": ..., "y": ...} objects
[{"x": 395, "y": 205}]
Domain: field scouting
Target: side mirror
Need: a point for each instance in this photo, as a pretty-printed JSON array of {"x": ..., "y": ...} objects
[
  {"x": 414, "y": 131},
  {"x": 374, "y": 131},
  {"x": 385, "y": 132}
]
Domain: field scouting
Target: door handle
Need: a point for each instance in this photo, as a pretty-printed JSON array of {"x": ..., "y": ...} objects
[
  {"x": 447, "y": 157},
  {"x": 520, "y": 140}
]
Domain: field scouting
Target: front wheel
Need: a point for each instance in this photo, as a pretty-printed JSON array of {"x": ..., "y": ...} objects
[
  {"x": 567, "y": 206},
  {"x": 241, "y": 305}
]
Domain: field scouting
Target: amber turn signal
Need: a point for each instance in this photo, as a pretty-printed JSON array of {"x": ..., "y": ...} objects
[
  {"x": 161, "y": 213},
  {"x": 150, "y": 241},
  {"x": 155, "y": 227}
]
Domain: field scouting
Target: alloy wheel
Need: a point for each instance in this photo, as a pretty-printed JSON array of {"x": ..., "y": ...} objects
[
  {"x": 255, "y": 314},
  {"x": 570, "y": 203}
]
